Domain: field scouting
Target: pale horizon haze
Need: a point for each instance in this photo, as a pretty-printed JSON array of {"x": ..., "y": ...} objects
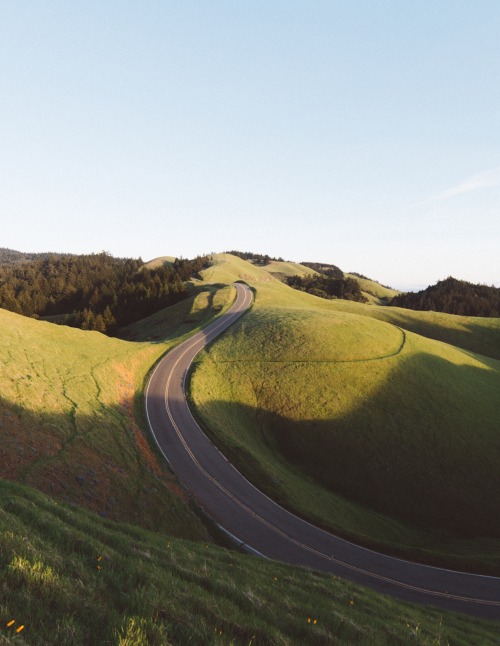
[{"x": 359, "y": 133}]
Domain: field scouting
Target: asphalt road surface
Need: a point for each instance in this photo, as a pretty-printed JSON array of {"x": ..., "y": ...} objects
[{"x": 264, "y": 528}]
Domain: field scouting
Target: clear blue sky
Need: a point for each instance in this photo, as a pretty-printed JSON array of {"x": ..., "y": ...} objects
[{"x": 360, "y": 133}]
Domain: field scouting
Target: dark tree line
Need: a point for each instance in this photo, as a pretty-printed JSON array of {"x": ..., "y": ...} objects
[
  {"x": 93, "y": 292},
  {"x": 261, "y": 259},
  {"x": 453, "y": 297},
  {"x": 327, "y": 286}
]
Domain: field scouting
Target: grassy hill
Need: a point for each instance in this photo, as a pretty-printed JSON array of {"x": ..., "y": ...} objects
[
  {"x": 375, "y": 292},
  {"x": 477, "y": 334},
  {"x": 161, "y": 261},
  {"x": 72, "y": 578},
  {"x": 69, "y": 406},
  {"x": 359, "y": 424}
]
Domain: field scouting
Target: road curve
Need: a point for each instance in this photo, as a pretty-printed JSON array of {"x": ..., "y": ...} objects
[{"x": 262, "y": 526}]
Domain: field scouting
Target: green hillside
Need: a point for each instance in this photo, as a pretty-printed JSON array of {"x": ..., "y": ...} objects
[
  {"x": 161, "y": 261},
  {"x": 281, "y": 269},
  {"x": 72, "y": 578},
  {"x": 477, "y": 334},
  {"x": 375, "y": 292},
  {"x": 378, "y": 433},
  {"x": 69, "y": 406}
]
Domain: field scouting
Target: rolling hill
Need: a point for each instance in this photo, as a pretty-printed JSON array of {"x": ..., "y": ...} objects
[
  {"x": 161, "y": 261},
  {"x": 282, "y": 269},
  {"x": 375, "y": 292},
  {"x": 361, "y": 425}
]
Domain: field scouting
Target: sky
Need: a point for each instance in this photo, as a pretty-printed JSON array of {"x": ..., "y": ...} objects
[{"x": 362, "y": 133}]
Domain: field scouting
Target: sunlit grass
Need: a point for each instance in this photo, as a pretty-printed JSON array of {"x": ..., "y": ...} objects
[
  {"x": 33, "y": 573},
  {"x": 480, "y": 335},
  {"x": 160, "y": 262},
  {"x": 282, "y": 269},
  {"x": 374, "y": 289}
]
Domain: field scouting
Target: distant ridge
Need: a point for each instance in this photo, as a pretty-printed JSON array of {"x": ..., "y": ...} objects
[
  {"x": 454, "y": 296},
  {"x": 8, "y": 256}
]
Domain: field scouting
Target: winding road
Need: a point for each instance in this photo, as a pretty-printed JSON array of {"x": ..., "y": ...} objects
[{"x": 264, "y": 528}]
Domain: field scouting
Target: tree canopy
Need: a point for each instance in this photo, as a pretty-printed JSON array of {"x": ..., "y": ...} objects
[
  {"x": 453, "y": 297},
  {"x": 93, "y": 292},
  {"x": 328, "y": 286}
]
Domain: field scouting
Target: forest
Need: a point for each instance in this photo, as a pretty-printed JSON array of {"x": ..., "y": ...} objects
[
  {"x": 92, "y": 292},
  {"x": 453, "y": 297},
  {"x": 328, "y": 286}
]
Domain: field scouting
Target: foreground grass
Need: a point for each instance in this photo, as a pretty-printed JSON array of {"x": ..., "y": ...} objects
[
  {"x": 70, "y": 577},
  {"x": 382, "y": 435},
  {"x": 67, "y": 405}
]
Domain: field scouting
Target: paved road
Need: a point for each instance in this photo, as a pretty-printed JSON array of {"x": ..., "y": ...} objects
[{"x": 263, "y": 527}]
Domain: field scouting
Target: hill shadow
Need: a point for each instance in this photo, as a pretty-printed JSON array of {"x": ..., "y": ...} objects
[
  {"x": 423, "y": 449},
  {"x": 101, "y": 462}
]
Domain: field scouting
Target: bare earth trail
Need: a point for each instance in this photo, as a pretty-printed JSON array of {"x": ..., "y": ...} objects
[{"x": 265, "y": 528}]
